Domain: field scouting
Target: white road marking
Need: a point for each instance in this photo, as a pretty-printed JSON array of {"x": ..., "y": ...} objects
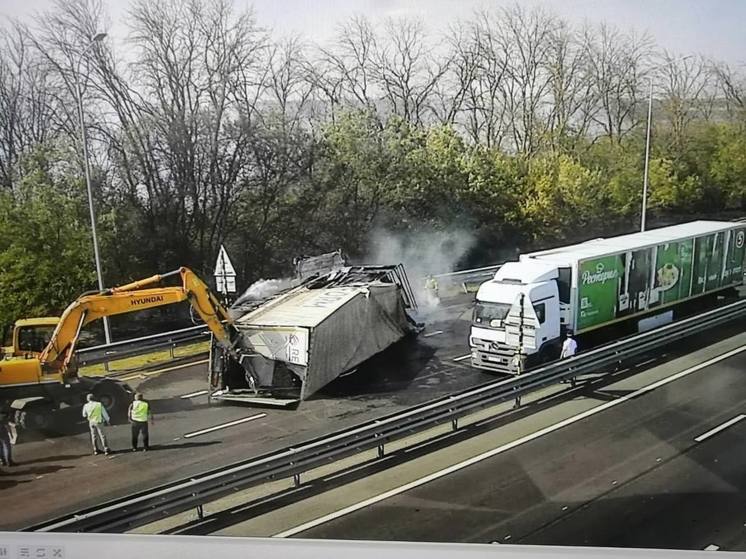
[
  {"x": 462, "y": 357},
  {"x": 433, "y": 333},
  {"x": 495, "y": 451},
  {"x": 712, "y": 547},
  {"x": 193, "y": 394},
  {"x": 719, "y": 428},
  {"x": 225, "y": 425}
]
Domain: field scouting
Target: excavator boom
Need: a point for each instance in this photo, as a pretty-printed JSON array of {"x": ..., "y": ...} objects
[{"x": 133, "y": 297}]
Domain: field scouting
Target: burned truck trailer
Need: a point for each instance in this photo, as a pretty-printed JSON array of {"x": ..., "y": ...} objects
[{"x": 295, "y": 343}]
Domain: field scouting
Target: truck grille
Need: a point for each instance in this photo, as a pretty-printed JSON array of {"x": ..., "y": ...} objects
[{"x": 498, "y": 359}]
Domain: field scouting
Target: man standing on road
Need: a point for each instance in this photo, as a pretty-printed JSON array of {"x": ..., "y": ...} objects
[
  {"x": 6, "y": 454},
  {"x": 96, "y": 414},
  {"x": 139, "y": 414},
  {"x": 431, "y": 289},
  {"x": 569, "y": 346}
]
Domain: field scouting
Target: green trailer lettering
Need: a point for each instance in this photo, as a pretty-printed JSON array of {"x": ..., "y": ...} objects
[{"x": 599, "y": 281}]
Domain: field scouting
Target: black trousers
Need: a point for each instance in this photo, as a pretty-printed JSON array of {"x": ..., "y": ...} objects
[
  {"x": 137, "y": 428},
  {"x": 6, "y": 450}
]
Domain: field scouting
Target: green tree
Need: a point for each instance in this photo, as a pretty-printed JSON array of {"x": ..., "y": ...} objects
[
  {"x": 728, "y": 166},
  {"x": 46, "y": 256},
  {"x": 563, "y": 199}
]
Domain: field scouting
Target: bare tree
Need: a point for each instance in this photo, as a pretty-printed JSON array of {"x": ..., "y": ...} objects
[
  {"x": 405, "y": 72},
  {"x": 686, "y": 94},
  {"x": 616, "y": 65},
  {"x": 29, "y": 110},
  {"x": 343, "y": 71},
  {"x": 733, "y": 87},
  {"x": 574, "y": 97},
  {"x": 479, "y": 63}
]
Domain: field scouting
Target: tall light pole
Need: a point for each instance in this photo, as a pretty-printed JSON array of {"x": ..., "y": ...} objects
[
  {"x": 647, "y": 156},
  {"x": 647, "y": 141},
  {"x": 84, "y": 140}
]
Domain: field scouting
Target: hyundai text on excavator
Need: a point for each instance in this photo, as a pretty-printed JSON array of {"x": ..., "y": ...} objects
[{"x": 35, "y": 386}]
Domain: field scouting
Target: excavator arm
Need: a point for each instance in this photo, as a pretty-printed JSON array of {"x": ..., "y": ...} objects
[{"x": 132, "y": 297}]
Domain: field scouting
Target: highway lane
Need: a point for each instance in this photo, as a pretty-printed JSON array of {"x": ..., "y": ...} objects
[
  {"x": 631, "y": 476},
  {"x": 57, "y": 475}
]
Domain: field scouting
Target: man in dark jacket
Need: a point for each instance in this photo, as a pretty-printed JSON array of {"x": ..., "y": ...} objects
[{"x": 6, "y": 449}]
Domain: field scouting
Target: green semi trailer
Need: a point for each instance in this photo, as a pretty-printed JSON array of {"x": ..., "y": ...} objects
[{"x": 636, "y": 279}]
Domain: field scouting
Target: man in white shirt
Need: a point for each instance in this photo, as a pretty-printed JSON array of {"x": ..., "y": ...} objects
[
  {"x": 569, "y": 346},
  {"x": 96, "y": 414}
]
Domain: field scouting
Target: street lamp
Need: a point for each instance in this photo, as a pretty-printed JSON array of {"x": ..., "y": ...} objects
[
  {"x": 647, "y": 139},
  {"x": 84, "y": 140}
]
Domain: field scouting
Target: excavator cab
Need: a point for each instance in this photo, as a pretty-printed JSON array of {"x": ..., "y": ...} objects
[{"x": 28, "y": 337}]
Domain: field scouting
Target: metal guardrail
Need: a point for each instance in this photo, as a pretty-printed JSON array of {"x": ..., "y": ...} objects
[
  {"x": 462, "y": 281},
  {"x": 139, "y": 346},
  {"x": 486, "y": 271},
  {"x": 148, "y": 506}
]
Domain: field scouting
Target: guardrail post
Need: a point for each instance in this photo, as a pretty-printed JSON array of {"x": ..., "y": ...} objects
[
  {"x": 171, "y": 349},
  {"x": 200, "y": 512},
  {"x": 381, "y": 450},
  {"x": 520, "y": 364},
  {"x": 296, "y": 480},
  {"x": 454, "y": 423}
]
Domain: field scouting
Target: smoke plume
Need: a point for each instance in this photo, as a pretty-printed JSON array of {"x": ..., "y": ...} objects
[
  {"x": 263, "y": 288},
  {"x": 422, "y": 253}
]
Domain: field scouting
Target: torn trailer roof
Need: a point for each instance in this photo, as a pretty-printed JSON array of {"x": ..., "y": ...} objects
[{"x": 297, "y": 342}]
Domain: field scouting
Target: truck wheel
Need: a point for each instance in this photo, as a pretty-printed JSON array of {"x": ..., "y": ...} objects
[{"x": 113, "y": 398}]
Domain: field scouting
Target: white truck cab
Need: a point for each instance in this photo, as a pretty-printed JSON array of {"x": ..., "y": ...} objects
[{"x": 517, "y": 314}]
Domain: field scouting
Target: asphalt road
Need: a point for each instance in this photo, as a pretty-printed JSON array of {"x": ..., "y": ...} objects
[
  {"x": 632, "y": 475},
  {"x": 56, "y": 473}
]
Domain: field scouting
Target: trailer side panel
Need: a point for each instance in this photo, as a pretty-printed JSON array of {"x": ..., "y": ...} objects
[{"x": 636, "y": 282}]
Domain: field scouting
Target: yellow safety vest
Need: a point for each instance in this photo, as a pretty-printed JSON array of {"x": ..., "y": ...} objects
[
  {"x": 95, "y": 412},
  {"x": 139, "y": 410}
]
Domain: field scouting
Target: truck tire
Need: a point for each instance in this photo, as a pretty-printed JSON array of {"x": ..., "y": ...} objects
[{"x": 113, "y": 397}]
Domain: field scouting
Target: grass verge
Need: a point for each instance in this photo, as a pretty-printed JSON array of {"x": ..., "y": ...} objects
[{"x": 146, "y": 360}]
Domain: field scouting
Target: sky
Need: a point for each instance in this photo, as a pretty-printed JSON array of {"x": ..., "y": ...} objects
[{"x": 710, "y": 27}]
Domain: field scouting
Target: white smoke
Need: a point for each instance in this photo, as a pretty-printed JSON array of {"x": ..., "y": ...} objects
[
  {"x": 263, "y": 288},
  {"x": 422, "y": 253}
]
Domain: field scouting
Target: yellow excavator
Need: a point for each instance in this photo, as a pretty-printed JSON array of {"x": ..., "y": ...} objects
[{"x": 34, "y": 386}]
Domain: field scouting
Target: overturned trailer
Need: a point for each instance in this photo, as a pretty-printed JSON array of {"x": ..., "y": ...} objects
[{"x": 300, "y": 340}]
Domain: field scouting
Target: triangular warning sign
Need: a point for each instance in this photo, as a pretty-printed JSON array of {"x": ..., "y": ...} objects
[
  {"x": 225, "y": 273},
  {"x": 224, "y": 266}
]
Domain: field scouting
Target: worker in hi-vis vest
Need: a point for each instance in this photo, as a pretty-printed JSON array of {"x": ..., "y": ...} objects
[
  {"x": 139, "y": 414},
  {"x": 96, "y": 414}
]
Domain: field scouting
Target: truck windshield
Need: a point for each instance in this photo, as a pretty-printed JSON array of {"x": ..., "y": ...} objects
[{"x": 485, "y": 313}]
